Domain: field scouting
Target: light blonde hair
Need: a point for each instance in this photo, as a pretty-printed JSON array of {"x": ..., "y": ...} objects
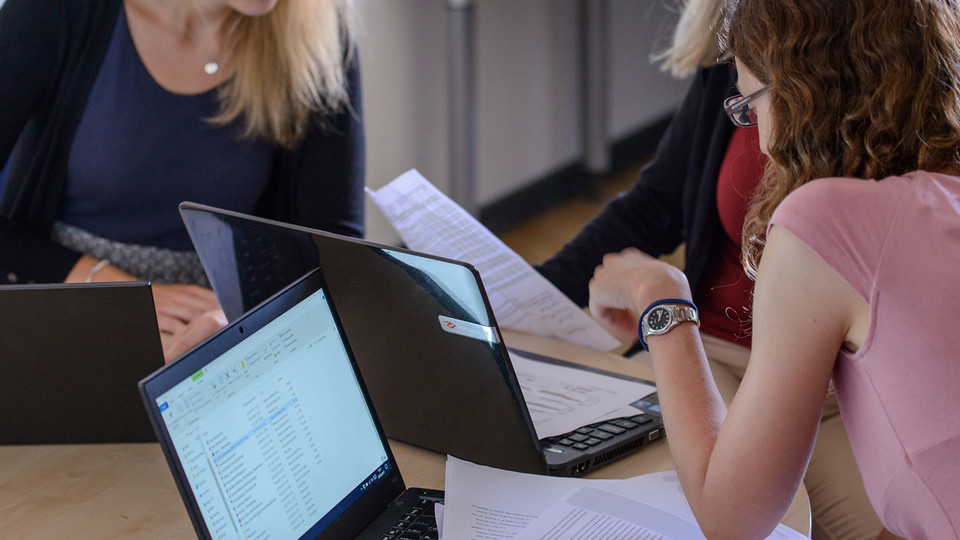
[
  {"x": 694, "y": 41},
  {"x": 287, "y": 65}
]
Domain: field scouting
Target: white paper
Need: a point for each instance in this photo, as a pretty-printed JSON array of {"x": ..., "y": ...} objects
[
  {"x": 438, "y": 512},
  {"x": 522, "y": 299},
  {"x": 596, "y": 514},
  {"x": 483, "y": 503},
  {"x": 561, "y": 399}
]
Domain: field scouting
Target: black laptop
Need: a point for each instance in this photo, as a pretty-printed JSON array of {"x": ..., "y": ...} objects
[
  {"x": 269, "y": 431},
  {"x": 425, "y": 338},
  {"x": 70, "y": 359}
]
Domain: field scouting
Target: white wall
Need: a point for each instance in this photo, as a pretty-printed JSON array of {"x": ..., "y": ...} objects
[{"x": 527, "y": 90}]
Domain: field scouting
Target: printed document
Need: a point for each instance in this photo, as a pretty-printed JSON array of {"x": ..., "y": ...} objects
[
  {"x": 603, "y": 515},
  {"x": 483, "y": 503},
  {"x": 522, "y": 299},
  {"x": 561, "y": 398}
]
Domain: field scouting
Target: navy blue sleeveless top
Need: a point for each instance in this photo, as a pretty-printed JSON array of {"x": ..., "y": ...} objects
[{"x": 140, "y": 150}]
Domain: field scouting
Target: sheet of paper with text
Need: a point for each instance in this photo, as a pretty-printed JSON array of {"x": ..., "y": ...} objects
[
  {"x": 561, "y": 399},
  {"x": 483, "y": 503},
  {"x": 522, "y": 299}
]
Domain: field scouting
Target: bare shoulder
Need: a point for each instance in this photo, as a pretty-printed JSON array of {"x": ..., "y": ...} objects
[{"x": 795, "y": 283}]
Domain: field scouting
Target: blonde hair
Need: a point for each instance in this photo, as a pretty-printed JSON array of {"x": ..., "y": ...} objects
[
  {"x": 287, "y": 65},
  {"x": 694, "y": 41}
]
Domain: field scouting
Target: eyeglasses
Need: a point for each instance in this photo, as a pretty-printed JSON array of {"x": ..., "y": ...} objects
[{"x": 739, "y": 110}]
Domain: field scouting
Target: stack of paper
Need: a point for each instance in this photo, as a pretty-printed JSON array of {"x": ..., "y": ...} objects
[
  {"x": 522, "y": 299},
  {"x": 482, "y": 503}
]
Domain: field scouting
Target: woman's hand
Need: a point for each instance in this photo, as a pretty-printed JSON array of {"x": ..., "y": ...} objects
[
  {"x": 193, "y": 333},
  {"x": 178, "y": 305},
  {"x": 187, "y": 314},
  {"x": 626, "y": 283}
]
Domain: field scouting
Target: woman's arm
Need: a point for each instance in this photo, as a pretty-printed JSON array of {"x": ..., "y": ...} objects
[{"x": 741, "y": 468}]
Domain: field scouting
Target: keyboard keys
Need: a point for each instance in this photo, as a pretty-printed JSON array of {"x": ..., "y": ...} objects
[
  {"x": 626, "y": 424},
  {"x": 418, "y": 527},
  {"x": 592, "y": 441},
  {"x": 603, "y": 435},
  {"x": 641, "y": 419},
  {"x": 610, "y": 428}
]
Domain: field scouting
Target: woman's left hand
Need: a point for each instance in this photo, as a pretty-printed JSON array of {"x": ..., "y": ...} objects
[
  {"x": 627, "y": 282},
  {"x": 194, "y": 332}
]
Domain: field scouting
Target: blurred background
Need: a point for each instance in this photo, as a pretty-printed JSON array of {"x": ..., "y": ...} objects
[{"x": 528, "y": 67}]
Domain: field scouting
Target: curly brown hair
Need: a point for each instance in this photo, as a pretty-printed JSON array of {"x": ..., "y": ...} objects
[{"x": 861, "y": 88}]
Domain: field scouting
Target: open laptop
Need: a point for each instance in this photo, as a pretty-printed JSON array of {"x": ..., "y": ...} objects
[
  {"x": 70, "y": 359},
  {"x": 269, "y": 431},
  {"x": 425, "y": 338}
]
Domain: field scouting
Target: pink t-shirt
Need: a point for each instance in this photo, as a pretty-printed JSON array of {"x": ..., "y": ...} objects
[{"x": 897, "y": 243}]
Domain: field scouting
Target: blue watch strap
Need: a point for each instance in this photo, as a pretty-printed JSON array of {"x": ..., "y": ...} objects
[{"x": 653, "y": 305}]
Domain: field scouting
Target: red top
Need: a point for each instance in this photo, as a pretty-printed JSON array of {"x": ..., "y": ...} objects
[{"x": 725, "y": 295}]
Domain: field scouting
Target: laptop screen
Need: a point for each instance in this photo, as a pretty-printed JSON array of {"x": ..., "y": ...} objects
[{"x": 274, "y": 434}]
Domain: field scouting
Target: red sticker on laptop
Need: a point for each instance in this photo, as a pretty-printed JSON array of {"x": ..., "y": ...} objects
[{"x": 469, "y": 329}]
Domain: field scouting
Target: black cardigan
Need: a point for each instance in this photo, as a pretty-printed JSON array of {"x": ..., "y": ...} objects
[
  {"x": 673, "y": 201},
  {"x": 50, "y": 55}
]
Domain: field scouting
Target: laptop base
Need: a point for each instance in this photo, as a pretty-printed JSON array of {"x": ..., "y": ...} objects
[{"x": 410, "y": 516}]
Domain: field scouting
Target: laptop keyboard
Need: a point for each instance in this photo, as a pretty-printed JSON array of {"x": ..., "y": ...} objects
[
  {"x": 420, "y": 522},
  {"x": 594, "y": 434}
]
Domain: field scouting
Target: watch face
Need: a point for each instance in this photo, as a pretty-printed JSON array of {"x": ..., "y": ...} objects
[{"x": 658, "y": 319}]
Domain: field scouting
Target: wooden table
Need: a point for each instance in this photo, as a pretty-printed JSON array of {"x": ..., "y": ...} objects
[{"x": 127, "y": 491}]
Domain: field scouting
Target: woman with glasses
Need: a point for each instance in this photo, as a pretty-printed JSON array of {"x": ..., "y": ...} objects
[
  {"x": 695, "y": 192},
  {"x": 854, "y": 237}
]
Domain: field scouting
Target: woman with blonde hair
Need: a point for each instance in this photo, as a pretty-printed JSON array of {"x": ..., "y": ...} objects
[
  {"x": 115, "y": 111},
  {"x": 855, "y": 237},
  {"x": 694, "y": 193}
]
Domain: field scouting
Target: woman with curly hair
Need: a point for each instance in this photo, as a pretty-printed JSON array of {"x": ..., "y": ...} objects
[
  {"x": 854, "y": 239},
  {"x": 694, "y": 193}
]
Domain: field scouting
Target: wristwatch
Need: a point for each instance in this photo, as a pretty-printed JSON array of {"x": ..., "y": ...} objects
[{"x": 663, "y": 315}]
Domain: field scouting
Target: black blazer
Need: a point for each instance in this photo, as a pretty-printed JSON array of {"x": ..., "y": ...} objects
[{"x": 673, "y": 200}]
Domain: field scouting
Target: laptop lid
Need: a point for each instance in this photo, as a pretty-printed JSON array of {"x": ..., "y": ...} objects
[
  {"x": 70, "y": 357},
  {"x": 421, "y": 327},
  {"x": 268, "y": 428}
]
